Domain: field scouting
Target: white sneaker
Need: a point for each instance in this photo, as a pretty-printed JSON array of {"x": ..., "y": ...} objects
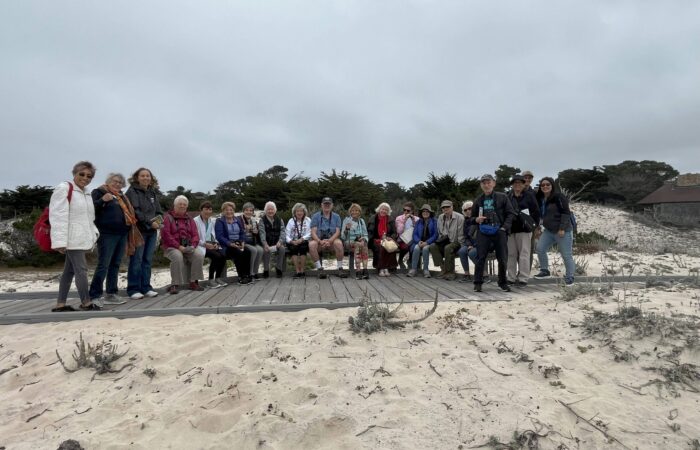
[
  {"x": 213, "y": 284},
  {"x": 221, "y": 282},
  {"x": 136, "y": 296},
  {"x": 151, "y": 294}
]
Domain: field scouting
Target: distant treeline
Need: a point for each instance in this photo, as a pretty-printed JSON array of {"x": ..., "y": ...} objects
[{"x": 624, "y": 184}]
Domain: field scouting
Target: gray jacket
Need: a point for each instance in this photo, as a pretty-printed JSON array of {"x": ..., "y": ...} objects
[{"x": 452, "y": 228}]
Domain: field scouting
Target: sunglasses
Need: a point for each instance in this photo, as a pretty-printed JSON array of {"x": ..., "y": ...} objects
[
  {"x": 406, "y": 210},
  {"x": 445, "y": 207},
  {"x": 468, "y": 209},
  {"x": 86, "y": 175},
  {"x": 544, "y": 184}
]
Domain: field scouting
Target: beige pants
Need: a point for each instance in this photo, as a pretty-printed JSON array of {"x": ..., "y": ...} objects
[
  {"x": 185, "y": 267},
  {"x": 519, "y": 245}
]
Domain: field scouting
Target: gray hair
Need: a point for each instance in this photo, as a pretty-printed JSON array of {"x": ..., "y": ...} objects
[
  {"x": 114, "y": 175},
  {"x": 383, "y": 205},
  {"x": 467, "y": 204},
  {"x": 247, "y": 205},
  {"x": 181, "y": 198},
  {"x": 270, "y": 204},
  {"x": 84, "y": 165},
  {"x": 299, "y": 206}
]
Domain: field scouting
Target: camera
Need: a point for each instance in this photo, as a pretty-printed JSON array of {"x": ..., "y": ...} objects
[{"x": 184, "y": 242}]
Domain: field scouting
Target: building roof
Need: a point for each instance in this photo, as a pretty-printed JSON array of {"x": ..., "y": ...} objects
[{"x": 670, "y": 193}]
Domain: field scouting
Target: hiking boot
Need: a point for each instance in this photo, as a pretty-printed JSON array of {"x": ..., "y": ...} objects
[
  {"x": 568, "y": 282},
  {"x": 194, "y": 286},
  {"x": 521, "y": 284},
  {"x": 321, "y": 274},
  {"x": 504, "y": 287},
  {"x": 244, "y": 280},
  {"x": 477, "y": 287},
  {"x": 543, "y": 274},
  {"x": 172, "y": 290},
  {"x": 342, "y": 273},
  {"x": 278, "y": 273},
  {"x": 256, "y": 276},
  {"x": 426, "y": 274},
  {"x": 365, "y": 274},
  {"x": 465, "y": 279},
  {"x": 358, "y": 274},
  {"x": 411, "y": 273},
  {"x": 266, "y": 274},
  {"x": 449, "y": 276}
]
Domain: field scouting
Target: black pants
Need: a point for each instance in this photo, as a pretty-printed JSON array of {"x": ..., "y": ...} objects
[
  {"x": 483, "y": 245},
  {"x": 241, "y": 259},
  {"x": 217, "y": 263}
]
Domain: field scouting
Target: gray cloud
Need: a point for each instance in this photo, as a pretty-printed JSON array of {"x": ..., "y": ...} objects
[{"x": 211, "y": 91}]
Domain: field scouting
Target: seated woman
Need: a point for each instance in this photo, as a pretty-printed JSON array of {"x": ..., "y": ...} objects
[
  {"x": 73, "y": 233},
  {"x": 354, "y": 236},
  {"x": 230, "y": 233},
  {"x": 116, "y": 220},
  {"x": 272, "y": 237},
  {"x": 424, "y": 234},
  {"x": 297, "y": 235},
  {"x": 469, "y": 245},
  {"x": 179, "y": 241},
  {"x": 208, "y": 246},
  {"x": 381, "y": 226},
  {"x": 404, "y": 229},
  {"x": 252, "y": 239}
]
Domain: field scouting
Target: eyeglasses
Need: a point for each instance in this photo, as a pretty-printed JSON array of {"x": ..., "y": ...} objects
[
  {"x": 528, "y": 177},
  {"x": 119, "y": 182},
  {"x": 406, "y": 210},
  {"x": 86, "y": 175},
  {"x": 467, "y": 210},
  {"x": 445, "y": 207}
]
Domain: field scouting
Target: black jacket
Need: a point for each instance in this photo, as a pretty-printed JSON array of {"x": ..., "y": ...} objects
[
  {"x": 555, "y": 211},
  {"x": 146, "y": 206},
  {"x": 372, "y": 228},
  {"x": 109, "y": 217},
  {"x": 502, "y": 207},
  {"x": 527, "y": 201}
]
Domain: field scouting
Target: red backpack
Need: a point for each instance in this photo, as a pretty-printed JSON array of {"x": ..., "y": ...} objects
[{"x": 42, "y": 227}]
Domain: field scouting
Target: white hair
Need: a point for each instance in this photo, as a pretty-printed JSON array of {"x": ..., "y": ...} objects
[
  {"x": 467, "y": 204},
  {"x": 383, "y": 205},
  {"x": 181, "y": 198},
  {"x": 298, "y": 206},
  {"x": 270, "y": 204},
  {"x": 116, "y": 175}
]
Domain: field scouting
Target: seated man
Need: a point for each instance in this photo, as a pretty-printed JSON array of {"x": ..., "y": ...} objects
[
  {"x": 325, "y": 237},
  {"x": 450, "y": 238}
]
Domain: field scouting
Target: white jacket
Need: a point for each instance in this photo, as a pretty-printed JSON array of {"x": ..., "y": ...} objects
[
  {"x": 205, "y": 234},
  {"x": 72, "y": 225}
]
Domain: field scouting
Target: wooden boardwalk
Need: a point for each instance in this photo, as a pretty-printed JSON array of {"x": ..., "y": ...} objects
[{"x": 273, "y": 294}]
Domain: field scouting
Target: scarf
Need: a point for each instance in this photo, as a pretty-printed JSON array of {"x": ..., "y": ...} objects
[{"x": 135, "y": 239}]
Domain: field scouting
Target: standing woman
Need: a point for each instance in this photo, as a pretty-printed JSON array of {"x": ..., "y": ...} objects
[
  {"x": 143, "y": 197},
  {"x": 557, "y": 228},
  {"x": 520, "y": 238},
  {"x": 252, "y": 239},
  {"x": 355, "y": 237},
  {"x": 116, "y": 220},
  {"x": 381, "y": 226},
  {"x": 298, "y": 234},
  {"x": 73, "y": 233},
  {"x": 230, "y": 233}
]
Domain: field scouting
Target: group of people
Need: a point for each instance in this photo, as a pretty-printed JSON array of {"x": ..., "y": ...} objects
[{"x": 511, "y": 225}]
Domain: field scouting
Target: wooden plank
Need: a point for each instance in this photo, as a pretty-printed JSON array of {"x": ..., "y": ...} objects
[
  {"x": 296, "y": 294},
  {"x": 269, "y": 292},
  {"x": 326, "y": 294},
  {"x": 215, "y": 300},
  {"x": 427, "y": 288},
  {"x": 16, "y": 305},
  {"x": 281, "y": 296},
  {"x": 252, "y": 294},
  {"x": 383, "y": 289},
  {"x": 406, "y": 290},
  {"x": 355, "y": 289},
  {"x": 312, "y": 290},
  {"x": 234, "y": 294},
  {"x": 41, "y": 306},
  {"x": 340, "y": 291}
]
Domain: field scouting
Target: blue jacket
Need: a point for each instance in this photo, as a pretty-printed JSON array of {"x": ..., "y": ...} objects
[
  {"x": 221, "y": 231},
  {"x": 432, "y": 231}
]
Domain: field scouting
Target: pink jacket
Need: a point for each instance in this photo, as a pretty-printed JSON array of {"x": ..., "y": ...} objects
[
  {"x": 401, "y": 223},
  {"x": 178, "y": 228}
]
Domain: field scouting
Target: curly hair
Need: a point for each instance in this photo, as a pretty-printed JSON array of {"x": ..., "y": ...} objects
[{"x": 134, "y": 178}]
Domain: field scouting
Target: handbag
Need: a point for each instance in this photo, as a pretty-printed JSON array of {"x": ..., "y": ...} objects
[
  {"x": 527, "y": 222},
  {"x": 390, "y": 245},
  {"x": 407, "y": 234}
]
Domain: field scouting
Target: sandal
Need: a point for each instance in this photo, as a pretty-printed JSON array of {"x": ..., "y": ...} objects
[
  {"x": 90, "y": 307},
  {"x": 64, "y": 308}
]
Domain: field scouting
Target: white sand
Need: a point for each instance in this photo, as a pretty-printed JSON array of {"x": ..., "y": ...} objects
[{"x": 298, "y": 380}]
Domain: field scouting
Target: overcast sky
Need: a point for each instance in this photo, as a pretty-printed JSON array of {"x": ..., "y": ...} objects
[{"x": 203, "y": 92}]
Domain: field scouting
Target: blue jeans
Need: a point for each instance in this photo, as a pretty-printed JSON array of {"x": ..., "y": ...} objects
[
  {"x": 416, "y": 257},
  {"x": 465, "y": 255},
  {"x": 139, "y": 277},
  {"x": 566, "y": 246},
  {"x": 110, "y": 250}
]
